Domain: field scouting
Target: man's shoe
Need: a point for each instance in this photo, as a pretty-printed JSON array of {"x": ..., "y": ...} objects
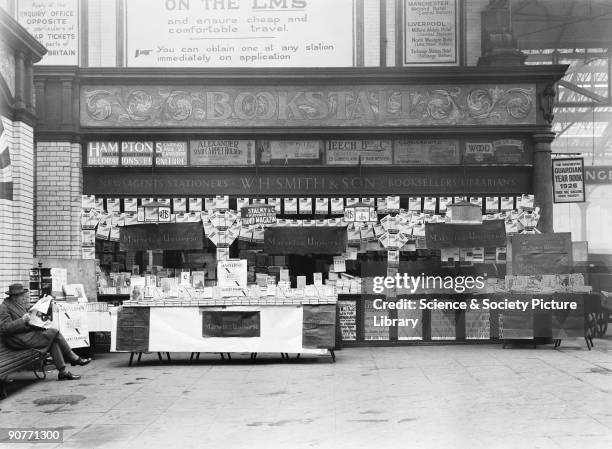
[
  {"x": 67, "y": 375},
  {"x": 80, "y": 361}
]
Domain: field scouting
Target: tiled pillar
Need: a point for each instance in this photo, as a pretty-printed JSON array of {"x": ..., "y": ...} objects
[
  {"x": 17, "y": 216},
  {"x": 58, "y": 200}
]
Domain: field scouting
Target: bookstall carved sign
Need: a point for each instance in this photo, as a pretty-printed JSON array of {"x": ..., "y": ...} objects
[
  {"x": 389, "y": 105},
  {"x": 309, "y": 240},
  {"x": 479, "y": 180},
  {"x": 162, "y": 236}
]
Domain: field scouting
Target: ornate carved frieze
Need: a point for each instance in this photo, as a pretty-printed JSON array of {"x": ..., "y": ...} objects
[{"x": 290, "y": 106}]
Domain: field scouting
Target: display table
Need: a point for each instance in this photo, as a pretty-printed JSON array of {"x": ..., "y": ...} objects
[{"x": 290, "y": 328}]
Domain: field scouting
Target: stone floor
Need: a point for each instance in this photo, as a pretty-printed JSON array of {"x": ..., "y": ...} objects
[{"x": 479, "y": 396}]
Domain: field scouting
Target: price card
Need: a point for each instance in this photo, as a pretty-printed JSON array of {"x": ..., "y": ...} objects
[
  {"x": 195, "y": 204},
  {"x": 241, "y": 202},
  {"x": 322, "y": 206},
  {"x": 393, "y": 204},
  {"x": 339, "y": 264},
  {"x": 291, "y": 206},
  {"x": 179, "y": 205},
  {"x": 491, "y": 204},
  {"x": 337, "y": 206},
  {"x": 276, "y": 202},
  {"x": 507, "y": 203},
  {"x": 414, "y": 204},
  {"x": 305, "y": 205}
]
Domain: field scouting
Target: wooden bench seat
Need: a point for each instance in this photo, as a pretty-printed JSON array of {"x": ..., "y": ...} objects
[{"x": 12, "y": 360}]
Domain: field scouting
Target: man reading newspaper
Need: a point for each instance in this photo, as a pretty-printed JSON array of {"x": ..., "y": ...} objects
[{"x": 25, "y": 327}]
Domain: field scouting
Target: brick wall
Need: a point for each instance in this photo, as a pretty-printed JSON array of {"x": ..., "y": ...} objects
[
  {"x": 59, "y": 185},
  {"x": 17, "y": 216}
]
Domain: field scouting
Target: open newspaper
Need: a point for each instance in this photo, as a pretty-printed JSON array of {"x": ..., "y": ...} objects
[{"x": 39, "y": 313}]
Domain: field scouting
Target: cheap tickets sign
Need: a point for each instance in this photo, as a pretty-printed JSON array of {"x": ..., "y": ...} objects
[{"x": 568, "y": 180}]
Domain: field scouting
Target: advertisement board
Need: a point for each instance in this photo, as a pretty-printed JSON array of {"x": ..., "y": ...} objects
[
  {"x": 222, "y": 152},
  {"x": 55, "y": 24},
  {"x": 354, "y": 152},
  {"x": 568, "y": 180},
  {"x": 170, "y": 153},
  {"x": 427, "y": 152},
  {"x": 232, "y": 33},
  {"x": 430, "y": 32},
  {"x": 103, "y": 153}
]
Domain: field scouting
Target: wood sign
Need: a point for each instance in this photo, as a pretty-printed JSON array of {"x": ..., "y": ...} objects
[
  {"x": 175, "y": 236},
  {"x": 231, "y": 324},
  {"x": 305, "y": 240},
  {"x": 446, "y": 235}
]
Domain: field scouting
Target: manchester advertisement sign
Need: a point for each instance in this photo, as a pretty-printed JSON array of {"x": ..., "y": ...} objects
[
  {"x": 430, "y": 32},
  {"x": 239, "y": 33},
  {"x": 303, "y": 105}
]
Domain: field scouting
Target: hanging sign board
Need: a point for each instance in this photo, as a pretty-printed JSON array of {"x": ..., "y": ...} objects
[
  {"x": 446, "y": 235},
  {"x": 568, "y": 180},
  {"x": 222, "y": 152},
  {"x": 161, "y": 236},
  {"x": 305, "y": 240}
]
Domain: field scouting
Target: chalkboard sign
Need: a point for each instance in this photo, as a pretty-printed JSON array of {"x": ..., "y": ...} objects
[
  {"x": 319, "y": 327},
  {"x": 542, "y": 254},
  {"x": 133, "y": 325}
]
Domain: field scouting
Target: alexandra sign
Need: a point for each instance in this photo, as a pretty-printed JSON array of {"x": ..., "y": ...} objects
[{"x": 392, "y": 105}]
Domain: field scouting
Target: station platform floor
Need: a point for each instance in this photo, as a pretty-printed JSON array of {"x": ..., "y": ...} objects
[{"x": 455, "y": 396}]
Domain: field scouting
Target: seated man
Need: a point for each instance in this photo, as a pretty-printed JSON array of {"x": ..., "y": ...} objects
[{"x": 18, "y": 334}]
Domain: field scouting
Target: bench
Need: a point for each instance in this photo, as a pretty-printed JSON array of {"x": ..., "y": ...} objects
[{"x": 12, "y": 360}]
